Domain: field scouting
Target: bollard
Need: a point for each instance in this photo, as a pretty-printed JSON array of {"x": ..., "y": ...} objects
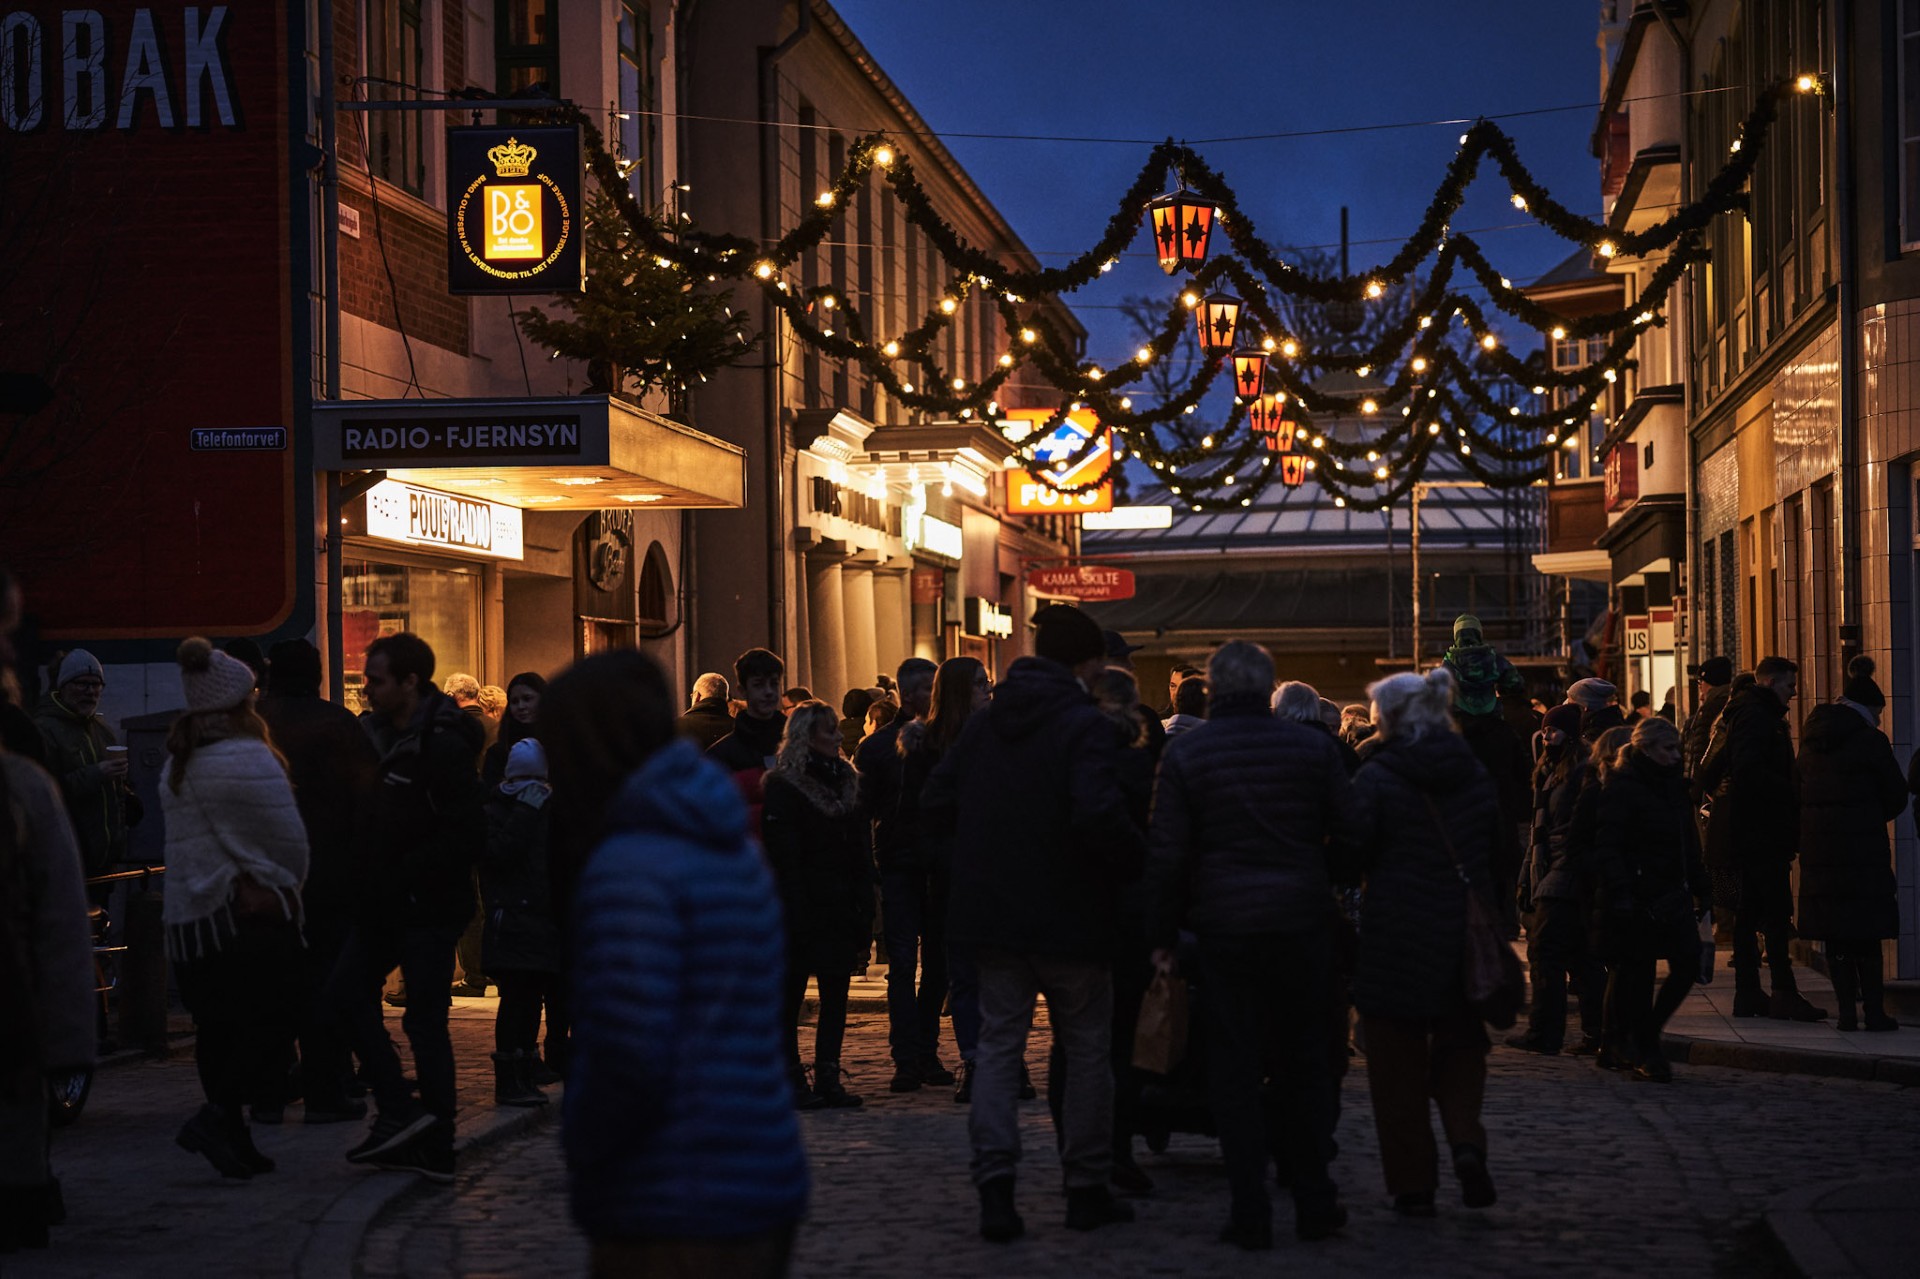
[{"x": 141, "y": 999}]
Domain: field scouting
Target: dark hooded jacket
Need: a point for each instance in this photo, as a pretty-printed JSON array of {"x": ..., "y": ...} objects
[
  {"x": 1646, "y": 847},
  {"x": 818, "y": 843},
  {"x": 333, "y": 767},
  {"x": 1413, "y": 912},
  {"x": 679, "y": 1116},
  {"x": 1554, "y": 870},
  {"x": 74, "y": 744},
  {"x": 1243, "y": 813},
  {"x": 1749, "y": 773},
  {"x": 1850, "y": 788},
  {"x": 878, "y": 761},
  {"x": 516, "y": 885},
  {"x": 1040, "y": 835},
  {"x": 1699, "y": 730},
  {"x": 427, "y": 830}
]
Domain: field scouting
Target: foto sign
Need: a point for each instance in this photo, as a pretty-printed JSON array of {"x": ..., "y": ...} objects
[
  {"x": 1029, "y": 496},
  {"x": 399, "y": 512},
  {"x": 514, "y": 211},
  {"x": 1083, "y": 582}
]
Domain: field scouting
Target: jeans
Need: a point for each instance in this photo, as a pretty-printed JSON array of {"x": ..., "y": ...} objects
[
  {"x": 1410, "y": 1064},
  {"x": 830, "y": 1026},
  {"x": 516, "y": 1026},
  {"x": 1080, "y": 1006},
  {"x": 963, "y": 1000},
  {"x": 1265, "y": 1002},
  {"x": 425, "y": 958},
  {"x": 326, "y": 1066},
  {"x": 1556, "y": 948},
  {"x": 243, "y": 1023},
  {"x": 914, "y": 911}
]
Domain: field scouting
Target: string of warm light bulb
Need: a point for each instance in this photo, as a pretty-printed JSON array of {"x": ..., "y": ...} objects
[{"x": 1439, "y": 395}]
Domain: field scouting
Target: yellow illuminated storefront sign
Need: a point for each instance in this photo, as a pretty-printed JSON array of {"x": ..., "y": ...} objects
[{"x": 514, "y": 202}]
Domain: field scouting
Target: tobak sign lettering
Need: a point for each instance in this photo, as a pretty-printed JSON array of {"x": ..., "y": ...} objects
[{"x": 514, "y": 197}]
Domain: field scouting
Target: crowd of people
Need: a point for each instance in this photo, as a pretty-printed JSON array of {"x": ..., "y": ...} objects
[{"x": 663, "y": 888}]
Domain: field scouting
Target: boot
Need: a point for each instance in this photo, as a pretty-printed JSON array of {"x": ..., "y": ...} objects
[
  {"x": 1749, "y": 997},
  {"x": 833, "y": 1093},
  {"x": 1788, "y": 1004},
  {"x": 1873, "y": 988},
  {"x": 241, "y": 1138},
  {"x": 1091, "y": 1207},
  {"x": 804, "y": 1097},
  {"x": 524, "y": 1069},
  {"x": 1470, "y": 1166},
  {"x": 210, "y": 1133},
  {"x": 510, "y": 1085},
  {"x": 906, "y": 1078},
  {"x": 963, "y": 1090},
  {"x": 1846, "y": 990},
  {"x": 999, "y": 1222}
]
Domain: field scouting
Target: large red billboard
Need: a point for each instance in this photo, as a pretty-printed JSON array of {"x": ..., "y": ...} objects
[{"x": 147, "y": 461}]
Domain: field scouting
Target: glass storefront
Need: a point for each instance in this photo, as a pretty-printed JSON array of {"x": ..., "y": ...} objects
[{"x": 437, "y": 600}]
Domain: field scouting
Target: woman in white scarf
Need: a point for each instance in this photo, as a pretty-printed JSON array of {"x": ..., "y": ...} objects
[{"x": 236, "y": 857}]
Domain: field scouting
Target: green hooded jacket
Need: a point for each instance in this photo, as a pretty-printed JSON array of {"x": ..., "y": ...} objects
[{"x": 74, "y": 745}]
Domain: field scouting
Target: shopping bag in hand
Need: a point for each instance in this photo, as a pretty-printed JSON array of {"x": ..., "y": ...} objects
[
  {"x": 1160, "y": 1036},
  {"x": 1706, "y": 946}
]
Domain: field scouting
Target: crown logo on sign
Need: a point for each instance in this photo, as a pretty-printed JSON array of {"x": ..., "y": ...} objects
[{"x": 512, "y": 160}]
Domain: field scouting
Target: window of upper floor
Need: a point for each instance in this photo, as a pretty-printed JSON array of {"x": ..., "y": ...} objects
[
  {"x": 638, "y": 107},
  {"x": 526, "y": 47},
  {"x": 395, "y": 37}
]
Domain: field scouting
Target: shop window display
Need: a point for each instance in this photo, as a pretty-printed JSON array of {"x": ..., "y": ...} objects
[{"x": 440, "y": 605}]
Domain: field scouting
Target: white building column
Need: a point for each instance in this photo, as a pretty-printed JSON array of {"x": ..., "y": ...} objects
[
  {"x": 862, "y": 663},
  {"x": 826, "y": 626},
  {"x": 892, "y": 611}
]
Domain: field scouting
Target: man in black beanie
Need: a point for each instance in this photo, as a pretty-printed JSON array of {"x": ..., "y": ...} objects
[
  {"x": 1714, "y": 684},
  {"x": 1041, "y": 843}
]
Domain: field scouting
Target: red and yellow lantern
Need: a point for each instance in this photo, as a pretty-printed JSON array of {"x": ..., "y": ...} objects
[
  {"x": 1182, "y": 228},
  {"x": 1293, "y": 470},
  {"x": 1218, "y": 316},
  {"x": 1249, "y": 372}
]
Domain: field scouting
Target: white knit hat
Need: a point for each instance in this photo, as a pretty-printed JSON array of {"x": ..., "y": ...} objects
[
  {"x": 526, "y": 758},
  {"x": 212, "y": 680}
]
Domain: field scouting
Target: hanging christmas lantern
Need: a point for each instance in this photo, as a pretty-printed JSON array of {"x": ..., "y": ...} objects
[
  {"x": 1284, "y": 433},
  {"x": 1293, "y": 470},
  {"x": 1249, "y": 372},
  {"x": 1263, "y": 415},
  {"x": 1182, "y": 226},
  {"x": 1219, "y": 318}
]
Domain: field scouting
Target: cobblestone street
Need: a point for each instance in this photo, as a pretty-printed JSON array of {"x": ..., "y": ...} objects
[{"x": 1597, "y": 1174}]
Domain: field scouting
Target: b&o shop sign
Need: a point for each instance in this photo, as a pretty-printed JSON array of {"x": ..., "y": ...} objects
[{"x": 513, "y": 197}]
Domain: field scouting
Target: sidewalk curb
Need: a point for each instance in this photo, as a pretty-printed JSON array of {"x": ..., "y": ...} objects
[
  {"x": 1811, "y": 1249},
  {"x": 333, "y": 1245},
  {"x": 1845, "y": 1230},
  {"x": 1792, "y": 1061}
]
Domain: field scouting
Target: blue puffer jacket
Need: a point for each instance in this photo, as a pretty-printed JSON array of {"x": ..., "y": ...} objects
[{"x": 679, "y": 1117}]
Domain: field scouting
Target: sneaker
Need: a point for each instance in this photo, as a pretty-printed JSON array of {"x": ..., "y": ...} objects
[
  {"x": 932, "y": 1072},
  {"x": 963, "y": 1090},
  {"x": 345, "y": 1112},
  {"x": 1476, "y": 1187},
  {"x": 1587, "y": 1047},
  {"x": 999, "y": 1221},
  {"x": 387, "y": 1133},
  {"x": 209, "y": 1133},
  {"x": 427, "y": 1153},
  {"x": 905, "y": 1079},
  {"x": 1091, "y": 1207}
]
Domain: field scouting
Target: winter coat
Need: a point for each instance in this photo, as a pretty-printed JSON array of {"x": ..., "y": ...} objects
[
  {"x": 1850, "y": 788},
  {"x": 427, "y": 828},
  {"x": 332, "y": 766},
  {"x": 96, "y": 806},
  {"x": 1699, "y": 730},
  {"x": 1554, "y": 870},
  {"x": 1646, "y": 848},
  {"x": 819, "y": 846},
  {"x": 878, "y": 764},
  {"x": 1175, "y": 725},
  {"x": 232, "y": 815},
  {"x": 679, "y": 1117},
  {"x": 932, "y": 842},
  {"x": 1504, "y": 755},
  {"x": 493, "y": 764},
  {"x": 1041, "y": 841},
  {"x": 1413, "y": 909},
  {"x": 747, "y": 753},
  {"x": 1749, "y": 773},
  {"x": 516, "y": 887},
  {"x": 1242, "y": 815},
  {"x": 707, "y": 722},
  {"x": 46, "y": 951}
]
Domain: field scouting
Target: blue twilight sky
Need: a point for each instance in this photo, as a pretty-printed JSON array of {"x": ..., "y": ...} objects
[{"x": 1196, "y": 69}]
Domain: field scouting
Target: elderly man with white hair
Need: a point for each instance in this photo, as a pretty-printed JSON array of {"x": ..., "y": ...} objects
[
  {"x": 1244, "y": 813},
  {"x": 707, "y": 719}
]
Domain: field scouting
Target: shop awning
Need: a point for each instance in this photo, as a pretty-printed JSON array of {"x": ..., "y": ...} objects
[{"x": 561, "y": 453}]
